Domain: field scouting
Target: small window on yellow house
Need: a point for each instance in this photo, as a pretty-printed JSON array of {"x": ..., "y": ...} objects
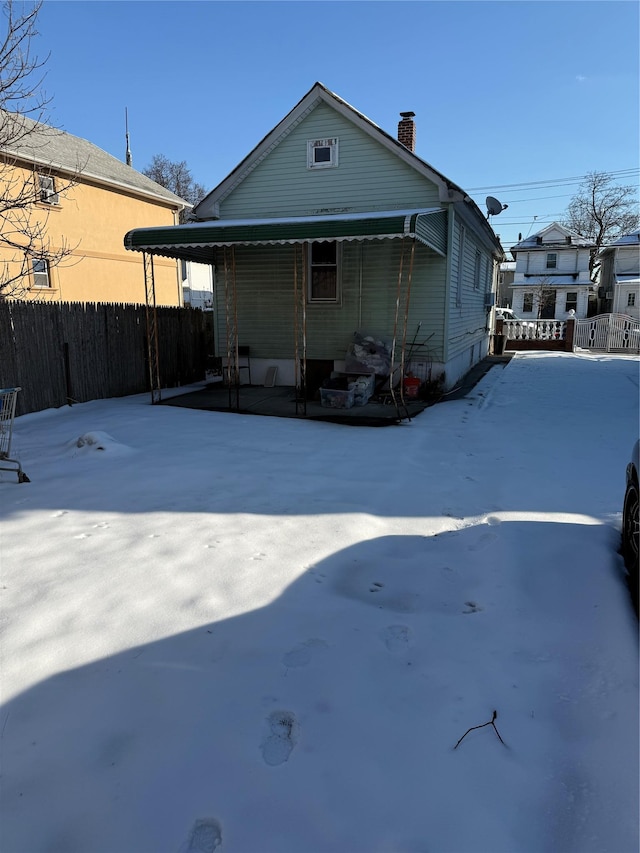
[
  {"x": 41, "y": 276},
  {"x": 47, "y": 189}
]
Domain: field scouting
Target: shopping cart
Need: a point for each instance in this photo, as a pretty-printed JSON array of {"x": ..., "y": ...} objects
[{"x": 7, "y": 414}]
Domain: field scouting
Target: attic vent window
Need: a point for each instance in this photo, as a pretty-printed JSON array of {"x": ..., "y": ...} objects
[{"x": 322, "y": 153}]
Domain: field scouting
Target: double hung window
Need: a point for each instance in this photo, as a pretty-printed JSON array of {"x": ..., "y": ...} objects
[
  {"x": 323, "y": 272},
  {"x": 40, "y": 270},
  {"x": 47, "y": 189}
]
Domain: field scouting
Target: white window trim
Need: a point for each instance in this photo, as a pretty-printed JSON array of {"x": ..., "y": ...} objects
[
  {"x": 553, "y": 255},
  {"x": 568, "y": 293},
  {"x": 331, "y": 143},
  {"x": 47, "y": 189},
  {"x": 476, "y": 270},
  {"x": 39, "y": 275},
  {"x": 311, "y": 300}
]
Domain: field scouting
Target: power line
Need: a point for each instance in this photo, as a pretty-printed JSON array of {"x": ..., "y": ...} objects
[
  {"x": 537, "y": 198},
  {"x": 554, "y": 182}
]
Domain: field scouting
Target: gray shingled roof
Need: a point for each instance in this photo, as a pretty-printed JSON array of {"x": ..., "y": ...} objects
[
  {"x": 58, "y": 150},
  {"x": 531, "y": 242}
]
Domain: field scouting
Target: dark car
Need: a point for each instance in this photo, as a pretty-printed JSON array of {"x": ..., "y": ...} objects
[{"x": 631, "y": 522}]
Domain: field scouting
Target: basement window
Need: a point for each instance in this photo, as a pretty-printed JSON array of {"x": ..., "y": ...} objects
[
  {"x": 322, "y": 153},
  {"x": 323, "y": 272}
]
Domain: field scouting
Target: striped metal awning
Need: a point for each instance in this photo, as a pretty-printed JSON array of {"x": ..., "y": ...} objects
[{"x": 194, "y": 241}]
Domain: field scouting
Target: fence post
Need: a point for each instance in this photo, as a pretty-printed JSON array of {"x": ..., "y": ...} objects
[
  {"x": 499, "y": 341},
  {"x": 569, "y": 335}
]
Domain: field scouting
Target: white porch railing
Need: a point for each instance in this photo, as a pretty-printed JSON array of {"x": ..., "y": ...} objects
[
  {"x": 608, "y": 332},
  {"x": 534, "y": 330}
]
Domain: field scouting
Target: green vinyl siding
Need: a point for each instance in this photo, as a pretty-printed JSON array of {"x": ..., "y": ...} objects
[
  {"x": 369, "y": 281},
  {"x": 433, "y": 230},
  {"x": 468, "y": 319},
  {"x": 368, "y": 177}
]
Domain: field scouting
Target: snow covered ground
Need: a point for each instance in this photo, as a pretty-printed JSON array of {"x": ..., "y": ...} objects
[{"x": 255, "y": 634}]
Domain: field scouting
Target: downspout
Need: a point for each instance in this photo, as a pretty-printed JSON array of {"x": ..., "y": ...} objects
[
  {"x": 176, "y": 221},
  {"x": 448, "y": 293},
  {"x": 360, "y": 286}
]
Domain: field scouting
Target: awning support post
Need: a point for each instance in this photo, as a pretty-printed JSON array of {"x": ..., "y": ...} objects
[
  {"x": 152, "y": 328},
  {"x": 300, "y": 330},
  {"x": 231, "y": 317},
  {"x": 401, "y": 319}
]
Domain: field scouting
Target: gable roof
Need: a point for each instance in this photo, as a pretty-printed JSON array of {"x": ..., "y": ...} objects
[
  {"x": 41, "y": 145},
  {"x": 449, "y": 192},
  {"x": 537, "y": 240}
]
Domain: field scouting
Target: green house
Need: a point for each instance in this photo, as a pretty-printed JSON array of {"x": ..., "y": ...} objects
[{"x": 331, "y": 233}]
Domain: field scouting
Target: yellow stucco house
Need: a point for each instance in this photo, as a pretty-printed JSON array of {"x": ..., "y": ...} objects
[{"x": 81, "y": 202}]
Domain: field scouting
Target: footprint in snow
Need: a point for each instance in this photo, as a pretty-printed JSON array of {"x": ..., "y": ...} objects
[
  {"x": 282, "y": 736},
  {"x": 205, "y": 836},
  {"x": 397, "y": 638},
  {"x": 301, "y": 654}
]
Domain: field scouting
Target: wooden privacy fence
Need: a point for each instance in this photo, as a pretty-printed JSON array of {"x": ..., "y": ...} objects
[{"x": 63, "y": 353}]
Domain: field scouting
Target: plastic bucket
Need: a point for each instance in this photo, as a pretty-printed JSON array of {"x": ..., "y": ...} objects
[{"x": 411, "y": 386}]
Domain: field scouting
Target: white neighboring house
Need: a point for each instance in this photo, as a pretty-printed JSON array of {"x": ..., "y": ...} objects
[
  {"x": 506, "y": 273},
  {"x": 197, "y": 284},
  {"x": 619, "y": 289},
  {"x": 552, "y": 274}
]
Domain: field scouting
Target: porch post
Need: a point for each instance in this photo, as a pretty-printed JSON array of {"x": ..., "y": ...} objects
[
  {"x": 152, "y": 327},
  {"x": 300, "y": 330}
]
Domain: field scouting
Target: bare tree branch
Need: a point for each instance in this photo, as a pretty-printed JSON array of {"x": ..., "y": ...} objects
[
  {"x": 602, "y": 211},
  {"x": 491, "y": 722},
  {"x": 175, "y": 177},
  {"x": 24, "y": 135}
]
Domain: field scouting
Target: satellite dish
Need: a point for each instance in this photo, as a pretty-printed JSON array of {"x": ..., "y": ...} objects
[{"x": 494, "y": 207}]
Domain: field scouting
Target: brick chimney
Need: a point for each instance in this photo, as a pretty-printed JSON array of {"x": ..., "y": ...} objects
[{"x": 407, "y": 131}]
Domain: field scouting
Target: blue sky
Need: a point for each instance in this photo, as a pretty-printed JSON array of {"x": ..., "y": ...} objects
[{"x": 534, "y": 94}]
